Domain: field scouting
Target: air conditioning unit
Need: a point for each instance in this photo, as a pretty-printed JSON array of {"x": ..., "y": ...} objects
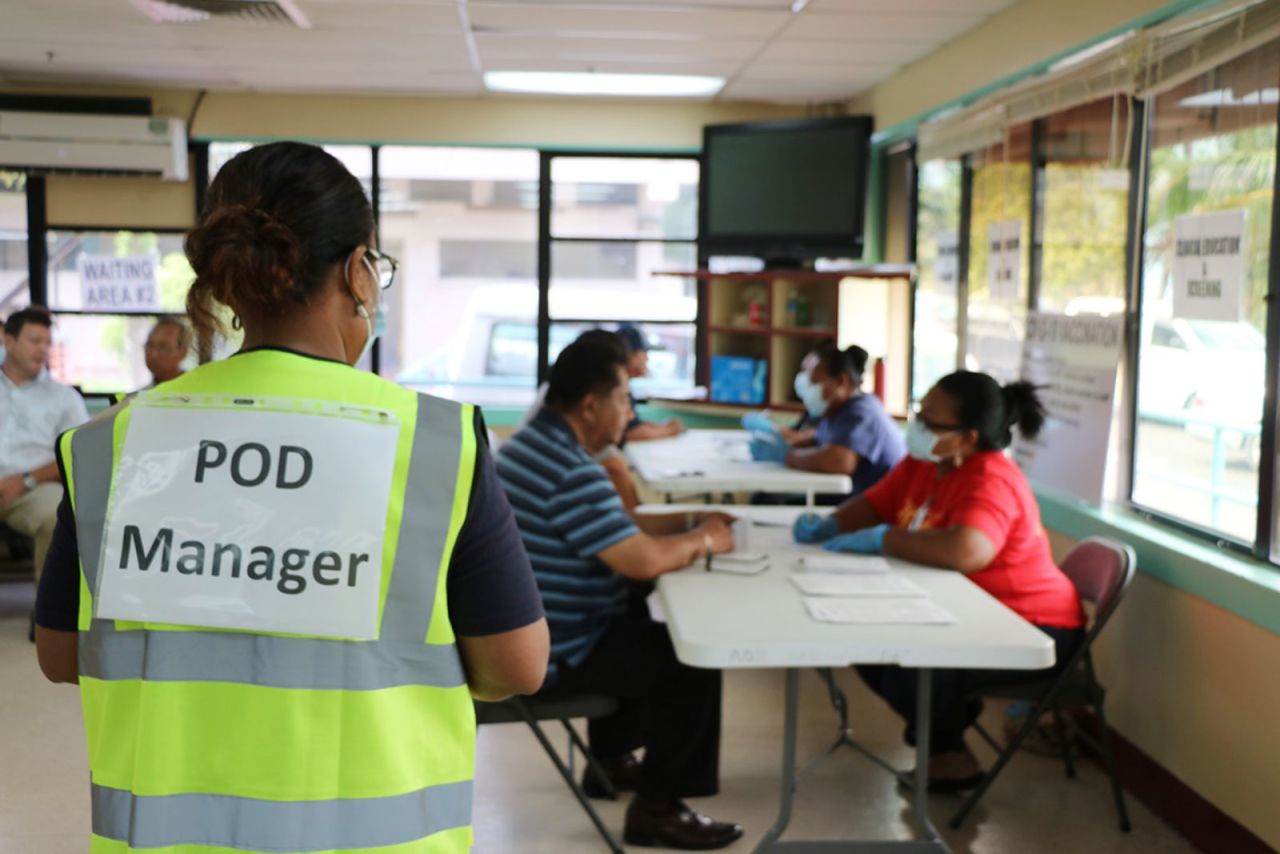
[{"x": 54, "y": 143}]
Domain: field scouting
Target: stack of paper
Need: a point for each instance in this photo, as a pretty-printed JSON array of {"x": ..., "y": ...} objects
[
  {"x": 844, "y": 563},
  {"x": 869, "y": 611},
  {"x": 843, "y": 584}
]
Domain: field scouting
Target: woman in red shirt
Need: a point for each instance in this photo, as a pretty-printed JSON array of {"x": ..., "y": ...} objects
[{"x": 958, "y": 502}]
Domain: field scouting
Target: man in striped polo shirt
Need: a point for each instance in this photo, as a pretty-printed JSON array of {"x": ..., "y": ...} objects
[{"x": 592, "y": 562}]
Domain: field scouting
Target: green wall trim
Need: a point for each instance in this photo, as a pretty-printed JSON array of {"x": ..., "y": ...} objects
[
  {"x": 259, "y": 139},
  {"x": 1247, "y": 588},
  {"x": 906, "y": 128}
]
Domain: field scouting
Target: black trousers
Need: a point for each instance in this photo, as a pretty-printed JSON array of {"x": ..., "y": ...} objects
[
  {"x": 668, "y": 708},
  {"x": 951, "y": 709}
]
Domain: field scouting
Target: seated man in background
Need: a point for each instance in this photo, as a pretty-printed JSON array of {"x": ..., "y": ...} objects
[
  {"x": 586, "y": 553},
  {"x": 615, "y": 464},
  {"x": 638, "y": 430},
  {"x": 854, "y": 435},
  {"x": 34, "y": 411},
  {"x": 166, "y": 348}
]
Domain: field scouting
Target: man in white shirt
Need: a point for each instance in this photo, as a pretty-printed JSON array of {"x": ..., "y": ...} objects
[
  {"x": 34, "y": 411},
  {"x": 166, "y": 349}
]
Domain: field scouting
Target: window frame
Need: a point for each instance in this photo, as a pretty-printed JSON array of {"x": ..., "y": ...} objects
[
  {"x": 1266, "y": 542},
  {"x": 546, "y": 239}
]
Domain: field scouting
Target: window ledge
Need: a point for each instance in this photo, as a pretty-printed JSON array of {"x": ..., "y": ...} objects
[{"x": 1247, "y": 588}]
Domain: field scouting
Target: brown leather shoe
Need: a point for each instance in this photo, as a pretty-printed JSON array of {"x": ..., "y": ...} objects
[
  {"x": 674, "y": 825},
  {"x": 623, "y": 772}
]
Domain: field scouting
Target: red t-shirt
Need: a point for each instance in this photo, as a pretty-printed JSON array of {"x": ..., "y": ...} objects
[{"x": 989, "y": 493}]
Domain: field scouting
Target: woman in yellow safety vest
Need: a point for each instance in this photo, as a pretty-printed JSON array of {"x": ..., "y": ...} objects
[{"x": 278, "y": 580}]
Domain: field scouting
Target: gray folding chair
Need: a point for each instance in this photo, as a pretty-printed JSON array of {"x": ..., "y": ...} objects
[
  {"x": 530, "y": 710},
  {"x": 1101, "y": 570}
]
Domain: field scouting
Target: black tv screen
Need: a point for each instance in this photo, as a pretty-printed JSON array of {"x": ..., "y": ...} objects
[{"x": 785, "y": 190}]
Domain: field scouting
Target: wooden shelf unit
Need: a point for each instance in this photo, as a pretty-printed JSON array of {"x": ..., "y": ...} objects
[{"x": 725, "y": 298}]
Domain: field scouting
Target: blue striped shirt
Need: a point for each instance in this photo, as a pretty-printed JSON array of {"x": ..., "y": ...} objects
[{"x": 568, "y": 512}]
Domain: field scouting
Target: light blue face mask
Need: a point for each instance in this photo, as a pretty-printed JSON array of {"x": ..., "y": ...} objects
[
  {"x": 921, "y": 441},
  {"x": 377, "y": 323},
  {"x": 814, "y": 403}
]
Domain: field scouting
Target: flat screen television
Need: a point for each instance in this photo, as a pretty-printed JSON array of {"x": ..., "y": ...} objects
[{"x": 784, "y": 191}]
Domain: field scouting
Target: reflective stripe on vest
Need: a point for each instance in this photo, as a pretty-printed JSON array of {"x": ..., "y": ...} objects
[{"x": 135, "y": 801}]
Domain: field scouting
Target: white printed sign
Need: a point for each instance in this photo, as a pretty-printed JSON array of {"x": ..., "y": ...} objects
[
  {"x": 1074, "y": 358},
  {"x": 118, "y": 284},
  {"x": 1208, "y": 267},
  {"x": 1004, "y": 259},
  {"x": 947, "y": 267},
  {"x": 249, "y": 516}
]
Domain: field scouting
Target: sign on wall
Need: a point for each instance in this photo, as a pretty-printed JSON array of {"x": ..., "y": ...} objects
[
  {"x": 1074, "y": 359},
  {"x": 124, "y": 284},
  {"x": 1208, "y": 266},
  {"x": 947, "y": 267},
  {"x": 1004, "y": 259}
]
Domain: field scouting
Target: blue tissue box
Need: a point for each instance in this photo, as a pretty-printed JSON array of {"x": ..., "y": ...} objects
[{"x": 737, "y": 379}]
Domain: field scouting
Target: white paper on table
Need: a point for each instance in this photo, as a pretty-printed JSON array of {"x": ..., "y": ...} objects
[
  {"x": 742, "y": 534},
  {"x": 846, "y": 563},
  {"x": 844, "y": 584},
  {"x": 896, "y": 611}
]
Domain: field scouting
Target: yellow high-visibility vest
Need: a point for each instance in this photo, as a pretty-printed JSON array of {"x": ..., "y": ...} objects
[{"x": 217, "y": 741}]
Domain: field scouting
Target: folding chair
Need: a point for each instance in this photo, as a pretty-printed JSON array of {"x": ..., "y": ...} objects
[
  {"x": 531, "y": 710},
  {"x": 1101, "y": 570}
]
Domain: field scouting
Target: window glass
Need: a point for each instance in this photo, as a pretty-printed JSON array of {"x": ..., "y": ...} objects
[
  {"x": 14, "y": 290},
  {"x": 671, "y": 355},
  {"x": 1201, "y": 381},
  {"x": 129, "y": 277},
  {"x": 1083, "y": 222},
  {"x": 937, "y": 255},
  {"x": 616, "y": 281},
  {"x": 1001, "y": 214},
  {"x": 624, "y": 197},
  {"x": 462, "y": 315}
]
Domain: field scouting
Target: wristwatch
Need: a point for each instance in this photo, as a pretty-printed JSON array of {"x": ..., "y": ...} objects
[{"x": 28, "y": 481}]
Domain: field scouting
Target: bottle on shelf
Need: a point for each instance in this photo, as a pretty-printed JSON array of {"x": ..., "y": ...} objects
[
  {"x": 802, "y": 311},
  {"x": 792, "y": 308}
]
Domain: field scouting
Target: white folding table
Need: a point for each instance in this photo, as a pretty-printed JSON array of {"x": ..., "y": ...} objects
[
  {"x": 706, "y": 461},
  {"x": 723, "y": 620}
]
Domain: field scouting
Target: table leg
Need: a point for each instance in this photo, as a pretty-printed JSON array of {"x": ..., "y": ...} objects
[
  {"x": 924, "y": 699},
  {"x": 809, "y": 500},
  {"x": 788, "y": 761}
]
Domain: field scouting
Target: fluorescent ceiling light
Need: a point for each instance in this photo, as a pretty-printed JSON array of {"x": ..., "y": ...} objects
[{"x": 596, "y": 83}]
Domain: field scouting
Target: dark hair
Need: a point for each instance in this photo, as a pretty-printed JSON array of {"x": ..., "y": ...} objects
[
  {"x": 276, "y": 219},
  {"x": 632, "y": 338},
  {"x": 184, "y": 331},
  {"x": 587, "y": 366},
  {"x": 850, "y": 362},
  {"x": 993, "y": 410},
  {"x": 37, "y": 314}
]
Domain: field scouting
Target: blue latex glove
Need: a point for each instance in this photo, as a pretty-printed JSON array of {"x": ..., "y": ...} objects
[
  {"x": 868, "y": 541},
  {"x": 759, "y": 424},
  {"x": 772, "y": 450},
  {"x": 812, "y": 528}
]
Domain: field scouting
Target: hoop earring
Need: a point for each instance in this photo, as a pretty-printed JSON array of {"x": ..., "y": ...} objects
[{"x": 235, "y": 322}]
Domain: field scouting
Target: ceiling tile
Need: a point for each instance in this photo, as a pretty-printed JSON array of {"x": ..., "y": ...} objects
[
  {"x": 972, "y": 9},
  {"x": 514, "y": 47},
  {"x": 884, "y": 52},
  {"x": 634, "y": 22},
  {"x": 932, "y": 29}
]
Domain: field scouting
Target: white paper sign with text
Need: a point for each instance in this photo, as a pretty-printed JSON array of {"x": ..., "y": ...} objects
[
  {"x": 118, "y": 284},
  {"x": 1074, "y": 358},
  {"x": 1004, "y": 259},
  {"x": 1208, "y": 266},
  {"x": 249, "y": 515}
]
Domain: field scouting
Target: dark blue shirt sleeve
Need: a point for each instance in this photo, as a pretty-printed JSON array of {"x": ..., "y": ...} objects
[{"x": 490, "y": 586}]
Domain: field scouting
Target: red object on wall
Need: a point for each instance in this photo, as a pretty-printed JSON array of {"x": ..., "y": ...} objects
[{"x": 878, "y": 380}]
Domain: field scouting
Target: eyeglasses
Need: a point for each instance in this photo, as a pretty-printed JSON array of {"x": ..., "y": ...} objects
[
  {"x": 933, "y": 426},
  {"x": 383, "y": 267}
]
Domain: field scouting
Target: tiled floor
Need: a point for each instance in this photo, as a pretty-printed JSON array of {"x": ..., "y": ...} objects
[{"x": 521, "y": 805}]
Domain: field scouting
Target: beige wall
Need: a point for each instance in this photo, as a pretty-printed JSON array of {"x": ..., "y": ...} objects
[
  {"x": 578, "y": 124},
  {"x": 1026, "y": 33},
  {"x": 1195, "y": 687}
]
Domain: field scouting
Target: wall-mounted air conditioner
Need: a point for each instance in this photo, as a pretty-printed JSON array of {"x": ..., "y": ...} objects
[{"x": 53, "y": 143}]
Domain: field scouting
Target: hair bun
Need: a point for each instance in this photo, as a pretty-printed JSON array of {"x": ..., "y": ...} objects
[{"x": 1023, "y": 408}]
